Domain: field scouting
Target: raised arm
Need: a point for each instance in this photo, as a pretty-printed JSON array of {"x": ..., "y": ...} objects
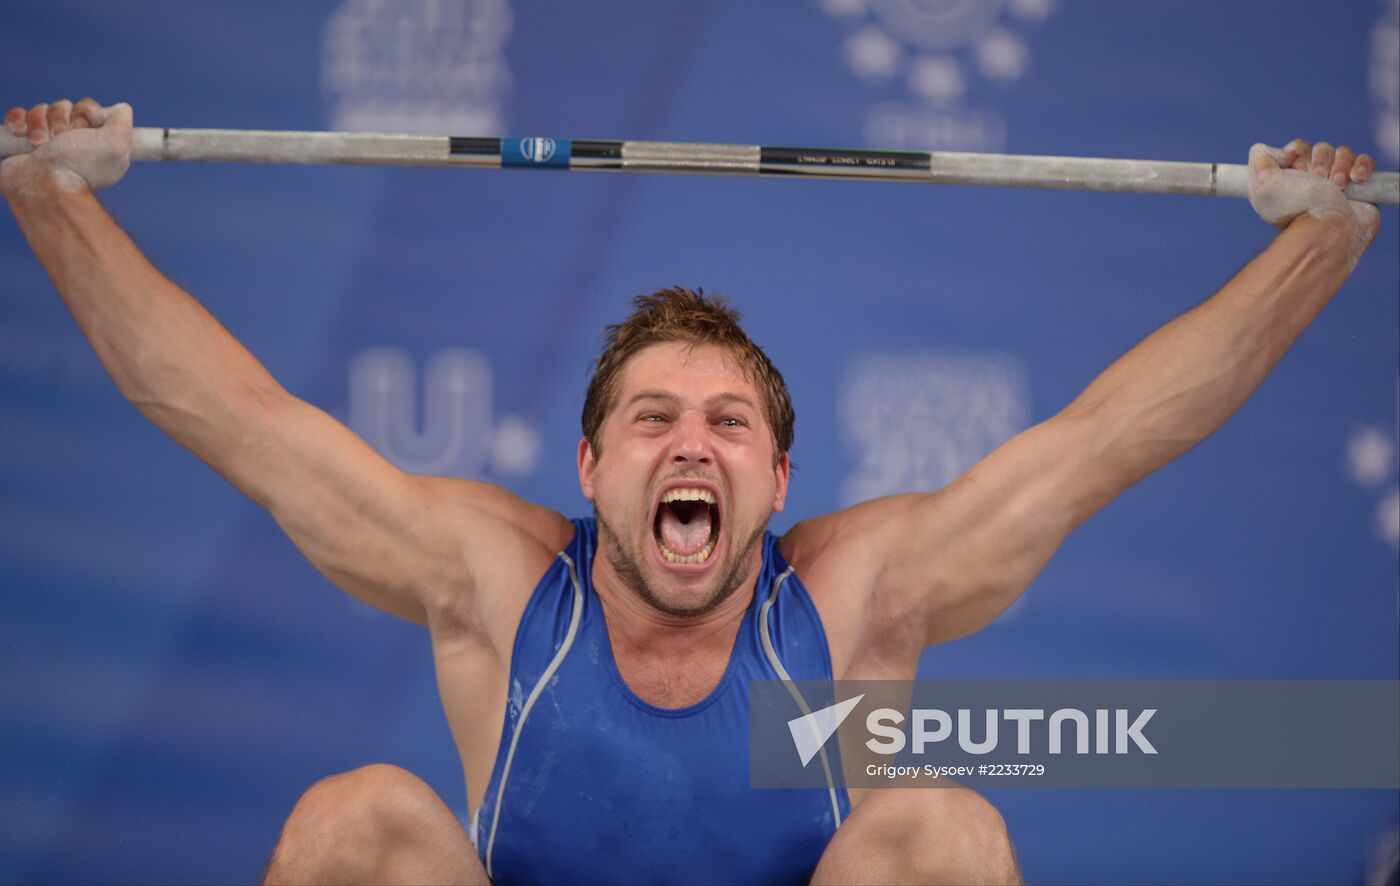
[
  {"x": 405, "y": 544},
  {"x": 945, "y": 564}
]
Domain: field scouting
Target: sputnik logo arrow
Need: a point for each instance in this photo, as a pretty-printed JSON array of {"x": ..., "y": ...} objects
[{"x": 811, "y": 731}]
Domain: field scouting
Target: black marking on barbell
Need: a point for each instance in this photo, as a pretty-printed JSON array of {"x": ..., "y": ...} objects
[
  {"x": 826, "y": 161},
  {"x": 458, "y": 145}
]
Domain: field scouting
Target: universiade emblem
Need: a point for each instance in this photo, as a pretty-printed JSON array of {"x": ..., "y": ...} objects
[{"x": 537, "y": 150}]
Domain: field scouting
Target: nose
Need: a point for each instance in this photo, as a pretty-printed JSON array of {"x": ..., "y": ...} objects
[{"x": 691, "y": 441}]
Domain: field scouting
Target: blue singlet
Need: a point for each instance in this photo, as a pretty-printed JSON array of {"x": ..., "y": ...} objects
[{"x": 594, "y": 785}]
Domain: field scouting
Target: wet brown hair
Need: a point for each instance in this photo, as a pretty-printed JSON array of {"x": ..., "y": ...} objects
[{"x": 678, "y": 314}]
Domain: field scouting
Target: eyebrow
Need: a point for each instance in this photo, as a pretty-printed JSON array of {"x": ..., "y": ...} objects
[{"x": 716, "y": 400}]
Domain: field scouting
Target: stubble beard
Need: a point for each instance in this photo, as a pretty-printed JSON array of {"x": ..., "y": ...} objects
[{"x": 629, "y": 569}]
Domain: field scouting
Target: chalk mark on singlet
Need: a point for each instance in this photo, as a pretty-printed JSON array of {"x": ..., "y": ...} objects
[
  {"x": 777, "y": 664},
  {"x": 535, "y": 693}
]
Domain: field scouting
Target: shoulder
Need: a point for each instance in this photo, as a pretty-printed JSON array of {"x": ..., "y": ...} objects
[
  {"x": 839, "y": 557},
  {"x": 504, "y": 545},
  {"x": 854, "y": 541}
]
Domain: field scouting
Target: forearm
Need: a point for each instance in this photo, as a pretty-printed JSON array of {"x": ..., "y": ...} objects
[
  {"x": 1181, "y": 383},
  {"x": 166, "y": 353}
]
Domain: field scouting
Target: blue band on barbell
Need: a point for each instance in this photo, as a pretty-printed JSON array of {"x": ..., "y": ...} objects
[
  {"x": 536, "y": 152},
  {"x": 541, "y": 152}
]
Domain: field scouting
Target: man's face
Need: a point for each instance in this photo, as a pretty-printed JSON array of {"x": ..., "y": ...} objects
[{"x": 686, "y": 479}]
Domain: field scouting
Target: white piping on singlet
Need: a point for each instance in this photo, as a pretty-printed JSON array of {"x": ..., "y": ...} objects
[
  {"x": 534, "y": 696},
  {"x": 777, "y": 664}
]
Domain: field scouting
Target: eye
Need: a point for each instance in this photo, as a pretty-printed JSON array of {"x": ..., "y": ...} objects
[
  {"x": 652, "y": 418},
  {"x": 732, "y": 422}
]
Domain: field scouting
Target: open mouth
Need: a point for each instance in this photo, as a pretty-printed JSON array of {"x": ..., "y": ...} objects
[{"x": 686, "y": 525}]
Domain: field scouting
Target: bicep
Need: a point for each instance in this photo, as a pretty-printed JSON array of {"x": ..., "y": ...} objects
[
  {"x": 414, "y": 546},
  {"x": 363, "y": 523},
  {"x": 958, "y": 557}
]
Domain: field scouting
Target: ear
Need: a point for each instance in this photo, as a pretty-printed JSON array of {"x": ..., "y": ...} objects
[
  {"x": 587, "y": 465},
  {"x": 782, "y": 472}
]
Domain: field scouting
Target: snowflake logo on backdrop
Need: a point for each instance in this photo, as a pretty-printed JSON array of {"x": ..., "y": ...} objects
[
  {"x": 458, "y": 434},
  {"x": 929, "y": 53},
  {"x": 1385, "y": 81},
  {"x": 916, "y": 420},
  {"x": 1371, "y": 461},
  {"x": 425, "y": 66}
]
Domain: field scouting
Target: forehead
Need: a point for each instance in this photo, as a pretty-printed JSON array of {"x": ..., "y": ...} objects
[{"x": 685, "y": 370}]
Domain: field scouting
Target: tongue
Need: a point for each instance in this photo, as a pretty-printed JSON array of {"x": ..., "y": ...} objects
[{"x": 685, "y": 539}]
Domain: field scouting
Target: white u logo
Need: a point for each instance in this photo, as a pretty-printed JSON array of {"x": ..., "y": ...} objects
[{"x": 454, "y": 434}]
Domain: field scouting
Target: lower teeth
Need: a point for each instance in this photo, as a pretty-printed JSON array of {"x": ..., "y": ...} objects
[{"x": 700, "y": 557}]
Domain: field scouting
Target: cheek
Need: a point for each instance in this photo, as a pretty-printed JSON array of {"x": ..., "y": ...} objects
[
  {"x": 615, "y": 488},
  {"x": 757, "y": 494}
]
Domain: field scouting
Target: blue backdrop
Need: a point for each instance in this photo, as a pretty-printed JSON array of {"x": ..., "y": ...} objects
[{"x": 173, "y": 674}]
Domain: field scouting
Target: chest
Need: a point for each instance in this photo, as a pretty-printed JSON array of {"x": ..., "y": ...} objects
[
  {"x": 676, "y": 679},
  {"x": 599, "y": 789}
]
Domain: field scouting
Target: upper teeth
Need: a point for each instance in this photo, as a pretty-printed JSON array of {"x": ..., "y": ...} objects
[{"x": 688, "y": 495}]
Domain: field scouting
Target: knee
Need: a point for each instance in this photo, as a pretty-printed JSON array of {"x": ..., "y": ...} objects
[
  {"x": 352, "y": 822},
  {"x": 951, "y": 835},
  {"x": 364, "y": 805},
  {"x": 980, "y": 838}
]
